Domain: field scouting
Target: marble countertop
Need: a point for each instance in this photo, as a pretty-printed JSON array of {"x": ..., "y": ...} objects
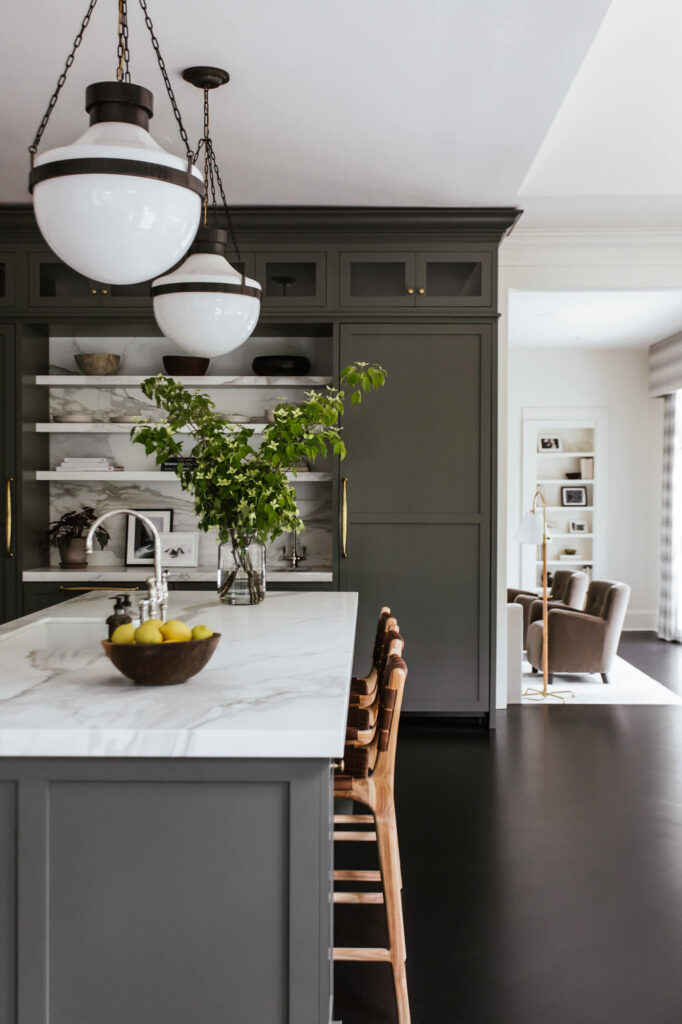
[
  {"x": 277, "y": 685},
  {"x": 307, "y": 573}
]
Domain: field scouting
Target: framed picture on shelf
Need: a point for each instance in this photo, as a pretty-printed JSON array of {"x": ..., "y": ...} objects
[
  {"x": 573, "y": 496},
  {"x": 550, "y": 444},
  {"x": 577, "y": 526},
  {"x": 139, "y": 540},
  {"x": 179, "y": 549}
]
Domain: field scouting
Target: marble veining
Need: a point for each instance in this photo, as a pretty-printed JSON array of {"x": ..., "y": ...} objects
[{"x": 277, "y": 685}]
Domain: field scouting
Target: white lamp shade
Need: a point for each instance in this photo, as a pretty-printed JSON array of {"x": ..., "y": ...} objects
[
  {"x": 204, "y": 307},
  {"x": 530, "y": 529},
  {"x": 117, "y": 228}
]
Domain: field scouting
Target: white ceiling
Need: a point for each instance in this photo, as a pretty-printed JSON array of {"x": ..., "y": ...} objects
[
  {"x": 599, "y": 319},
  {"x": 384, "y": 102}
]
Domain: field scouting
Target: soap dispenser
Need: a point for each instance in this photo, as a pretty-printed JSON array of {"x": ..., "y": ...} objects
[{"x": 120, "y": 614}]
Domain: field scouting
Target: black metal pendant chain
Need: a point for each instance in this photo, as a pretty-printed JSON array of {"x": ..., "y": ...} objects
[{"x": 122, "y": 72}]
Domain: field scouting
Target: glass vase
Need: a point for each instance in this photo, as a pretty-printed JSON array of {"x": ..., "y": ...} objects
[{"x": 241, "y": 573}]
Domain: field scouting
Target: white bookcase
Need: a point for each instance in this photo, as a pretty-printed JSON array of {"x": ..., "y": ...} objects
[{"x": 564, "y": 458}]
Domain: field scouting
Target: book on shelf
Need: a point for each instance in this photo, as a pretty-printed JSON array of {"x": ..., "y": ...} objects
[{"x": 587, "y": 468}]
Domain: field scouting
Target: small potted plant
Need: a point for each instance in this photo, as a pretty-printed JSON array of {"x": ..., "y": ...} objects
[{"x": 68, "y": 534}]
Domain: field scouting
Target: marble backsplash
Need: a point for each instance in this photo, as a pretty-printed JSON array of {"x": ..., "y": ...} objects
[{"x": 143, "y": 356}]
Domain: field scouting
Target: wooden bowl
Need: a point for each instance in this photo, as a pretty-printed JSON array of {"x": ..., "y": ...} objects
[
  {"x": 185, "y": 366},
  {"x": 281, "y": 366},
  {"x": 98, "y": 364},
  {"x": 161, "y": 664}
]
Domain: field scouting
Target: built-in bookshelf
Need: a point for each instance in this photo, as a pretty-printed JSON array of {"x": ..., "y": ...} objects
[{"x": 563, "y": 460}]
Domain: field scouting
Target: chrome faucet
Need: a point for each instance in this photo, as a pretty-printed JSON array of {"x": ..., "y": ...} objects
[{"x": 155, "y": 605}]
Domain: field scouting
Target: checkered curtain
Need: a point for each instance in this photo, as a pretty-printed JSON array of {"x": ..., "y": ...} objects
[{"x": 670, "y": 603}]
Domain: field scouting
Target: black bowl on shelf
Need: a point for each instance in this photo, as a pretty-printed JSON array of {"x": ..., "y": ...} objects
[
  {"x": 185, "y": 366},
  {"x": 281, "y": 366}
]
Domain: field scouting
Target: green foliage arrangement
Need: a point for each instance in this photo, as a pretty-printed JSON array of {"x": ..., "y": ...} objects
[
  {"x": 76, "y": 524},
  {"x": 239, "y": 489}
]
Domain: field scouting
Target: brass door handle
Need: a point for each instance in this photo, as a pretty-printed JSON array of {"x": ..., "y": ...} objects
[
  {"x": 8, "y": 518},
  {"x": 421, "y": 291},
  {"x": 344, "y": 517},
  {"x": 119, "y": 590},
  {"x": 339, "y": 766},
  {"x": 410, "y": 291}
]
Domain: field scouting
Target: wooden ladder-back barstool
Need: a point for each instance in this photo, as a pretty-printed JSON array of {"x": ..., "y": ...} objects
[
  {"x": 374, "y": 788},
  {"x": 363, "y": 688}
]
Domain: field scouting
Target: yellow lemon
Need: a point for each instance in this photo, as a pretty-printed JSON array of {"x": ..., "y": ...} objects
[
  {"x": 201, "y": 633},
  {"x": 154, "y": 622},
  {"x": 148, "y": 633},
  {"x": 124, "y": 634},
  {"x": 175, "y": 631}
]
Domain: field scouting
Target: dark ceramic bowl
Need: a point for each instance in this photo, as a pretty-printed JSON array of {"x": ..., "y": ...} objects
[
  {"x": 573, "y": 476},
  {"x": 185, "y": 366},
  {"x": 281, "y": 366},
  {"x": 161, "y": 664}
]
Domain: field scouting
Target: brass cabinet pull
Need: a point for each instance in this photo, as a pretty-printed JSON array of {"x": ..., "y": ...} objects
[
  {"x": 421, "y": 291},
  {"x": 339, "y": 766},
  {"x": 119, "y": 590},
  {"x": 344, "y": 517},
  {"x": 8, "y": 518},
  {"x": 410, "y": 291}
]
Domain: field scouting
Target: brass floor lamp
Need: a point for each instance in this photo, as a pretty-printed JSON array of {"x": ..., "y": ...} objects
[{"x": 533, "y": 530}]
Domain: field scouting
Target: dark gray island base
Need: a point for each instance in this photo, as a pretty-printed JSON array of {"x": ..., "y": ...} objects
[{"x": 165, "y": 891}]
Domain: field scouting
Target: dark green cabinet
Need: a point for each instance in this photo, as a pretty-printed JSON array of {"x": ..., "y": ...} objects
[
  {"x": 292, "y": 279},
  {"x": 418, "y": 504},
  {"x": 7, "y": 279},
  {"x": 416, "y": 280},
  {"x": 51, "y": 284},
  {"x": 8, "y": 475}
]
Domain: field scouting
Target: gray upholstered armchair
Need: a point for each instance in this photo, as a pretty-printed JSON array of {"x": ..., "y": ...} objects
[
  {"x": 568, "y": 591},
  {"x": 583, "y": 641}
]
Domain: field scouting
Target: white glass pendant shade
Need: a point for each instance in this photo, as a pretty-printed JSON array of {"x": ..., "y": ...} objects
[
  {"x": 530, "y": 529},
  {"x": 204, "y": 306},
  {"x": 114, "y": 205}
]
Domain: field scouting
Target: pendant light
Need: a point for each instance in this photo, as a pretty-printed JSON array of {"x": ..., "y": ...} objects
[
  {"x": 206, "y": 306},
  {"x": 114, "y": 205}
]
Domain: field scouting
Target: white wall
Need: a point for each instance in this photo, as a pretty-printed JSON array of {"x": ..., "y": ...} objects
[{"x": 617, "y": 381}]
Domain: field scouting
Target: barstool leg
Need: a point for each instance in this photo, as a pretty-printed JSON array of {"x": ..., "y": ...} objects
[
  {"x": 390, "y": 876},
  {"x": 397, "y": 850}
]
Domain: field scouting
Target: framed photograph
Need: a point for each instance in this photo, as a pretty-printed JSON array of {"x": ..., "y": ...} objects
[
  {"x": 179, "y": 549},
  {"x": 139, "y": 541},
  {"x": 574, "y": 496},
  {"x": 550, "y": 444},
  {"x": 578, "y": 526}
]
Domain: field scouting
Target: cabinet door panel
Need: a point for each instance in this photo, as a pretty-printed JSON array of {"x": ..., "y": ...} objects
[
  {"x": 8, "y": 477},
  {"x": 447, "y": 280},
  {"x": 377, "y": 279},
  {"x": 414, "y": 447},
  {"x": 293, "y": 279},
  {"x": 429, "y": 577},
  {"x": 8, "y": 902},
  {"x": 7, "y": 279}
]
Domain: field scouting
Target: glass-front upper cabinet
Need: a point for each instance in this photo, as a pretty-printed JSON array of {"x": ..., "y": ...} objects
[
  {"x": 6, "y": 279},
  {"x": 416, "y": 279},
  {"x": 292, "y": 278},
  {"x": 53, "y": 283}
]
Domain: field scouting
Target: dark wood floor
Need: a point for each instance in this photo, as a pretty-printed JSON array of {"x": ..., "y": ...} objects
[{"x": 542, "y": 867}]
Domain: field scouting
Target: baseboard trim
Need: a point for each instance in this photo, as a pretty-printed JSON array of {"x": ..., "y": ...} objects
[{"x": 641, "y": 620}]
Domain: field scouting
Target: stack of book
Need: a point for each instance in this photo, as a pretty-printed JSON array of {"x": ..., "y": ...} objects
[
  {"x": 170, "y": 465},
  {"x": 88, "y": 465}
]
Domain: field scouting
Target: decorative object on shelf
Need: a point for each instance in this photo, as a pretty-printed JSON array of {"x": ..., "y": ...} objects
[
  {"x": 100, "y": 364},
  {"x": 179, "y": 549},
  {"x": 206, "y": 306},
  {"x": 578, "y": 526},
  {"x": 587, "y": 468},
  {"x": 88, "y": 464},
  {"x": 139, "y": 541},
  {"x": 281, "y": 366},
  {"x": 240, "y": 490},
  {"x": 171, "y": 464},
  {"x": 186, "y": 366},
  {"x": 549, "y": 444},
  {"x": 73, "y": 417},
  {"x": 533, "y": 530},
  {"x": 573, "y": 496},
  {"x": 573, "y": 476},
  {"x": 114, "y": 205},
  {"x": 161, "y": 664},
  {"x": 68, "y": 533},
  {"x": 284, "y": 281}
]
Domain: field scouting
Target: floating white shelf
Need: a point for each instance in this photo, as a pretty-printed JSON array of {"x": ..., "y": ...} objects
[
  {"x": 567, "y": 483},
  {"x": 197, "y": 574},
  {"x": 119, "y": 381},
  {"x": 570, "y": 508},
  {"x": 111, "y": 428},
  {"x": 567, "y": 561},
  {"x": 568, "y": 455},
  {"x": 568, "y": 536},
  {"x": 156, "y": 476}
]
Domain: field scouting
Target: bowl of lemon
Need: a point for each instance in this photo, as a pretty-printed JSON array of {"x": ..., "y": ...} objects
[{"x": 161, "y": 653}]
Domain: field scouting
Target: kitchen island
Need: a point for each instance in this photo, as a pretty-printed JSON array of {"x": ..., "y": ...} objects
[{"x": 165, "y": 852}]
